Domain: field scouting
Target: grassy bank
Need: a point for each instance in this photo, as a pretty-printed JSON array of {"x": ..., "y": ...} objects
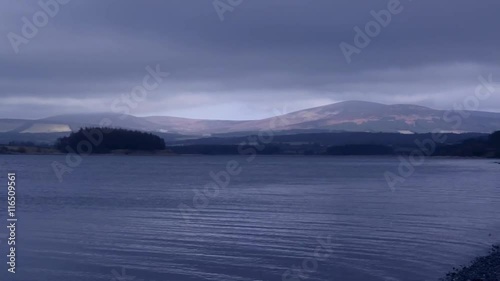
[{"x": 485, "y": 268}]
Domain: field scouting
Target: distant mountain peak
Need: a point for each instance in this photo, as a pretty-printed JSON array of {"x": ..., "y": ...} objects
[
  {"x": 369, "y": 104},
  {"x": 358, "y": 103}
]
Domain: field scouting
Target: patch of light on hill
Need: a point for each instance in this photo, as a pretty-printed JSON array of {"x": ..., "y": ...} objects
[{"x": 48, "y": 128}]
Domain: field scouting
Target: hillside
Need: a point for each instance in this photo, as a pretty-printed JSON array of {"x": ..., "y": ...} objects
[{"x": 349, "y": 116}]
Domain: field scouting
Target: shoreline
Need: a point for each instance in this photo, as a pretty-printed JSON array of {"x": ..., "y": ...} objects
[
  {"x": 484, "y": 268},
  {"x": 167, "y": 153}
]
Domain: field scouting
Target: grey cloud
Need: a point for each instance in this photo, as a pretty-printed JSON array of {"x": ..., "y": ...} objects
[{"x": 264, "y": 53}]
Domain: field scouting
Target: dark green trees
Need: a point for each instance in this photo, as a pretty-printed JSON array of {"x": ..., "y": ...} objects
[
  {"x": 104, "y": 140},
  {"x": 495, "y": 139}
]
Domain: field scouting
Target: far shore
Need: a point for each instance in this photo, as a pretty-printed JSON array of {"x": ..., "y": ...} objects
[
  {"x": 25, "y": 150},
  {"x": 47, "y": 150}
]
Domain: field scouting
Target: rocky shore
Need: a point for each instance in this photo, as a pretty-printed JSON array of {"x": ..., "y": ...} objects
[{"x": 485, "y": 268}]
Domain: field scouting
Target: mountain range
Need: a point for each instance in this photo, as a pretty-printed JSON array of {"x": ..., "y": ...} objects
[{"x": 349, "y": 116}]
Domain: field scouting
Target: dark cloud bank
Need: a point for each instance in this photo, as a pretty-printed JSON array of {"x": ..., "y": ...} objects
[{"x": 264, "y": 54}]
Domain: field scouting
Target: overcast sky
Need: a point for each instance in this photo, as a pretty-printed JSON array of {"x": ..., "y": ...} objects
[{"x": 264, "y": 55}]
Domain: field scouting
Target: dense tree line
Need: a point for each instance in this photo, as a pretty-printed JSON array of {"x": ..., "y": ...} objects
[
  {"x": 495, "y": 139},
  {"x": 362, "y": 149},
  {"x": 488, "y": 146},
  {"x": 333, "y": 139},
  {"x": 224, "y": 149},
  {"x": 105, "y": 140},
  {"x": 122, "y": 139},
  {"x": 476, "y": 147}
]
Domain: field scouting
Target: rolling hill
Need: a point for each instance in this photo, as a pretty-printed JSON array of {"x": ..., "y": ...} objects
[{"x": 350, "y": 116}]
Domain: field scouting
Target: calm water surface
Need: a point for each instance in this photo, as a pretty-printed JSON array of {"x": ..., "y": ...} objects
[{"x": 117, "y": 218}]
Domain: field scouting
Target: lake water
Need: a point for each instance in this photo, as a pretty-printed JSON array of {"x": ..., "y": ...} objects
[{"x": 281, "y": 218}]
